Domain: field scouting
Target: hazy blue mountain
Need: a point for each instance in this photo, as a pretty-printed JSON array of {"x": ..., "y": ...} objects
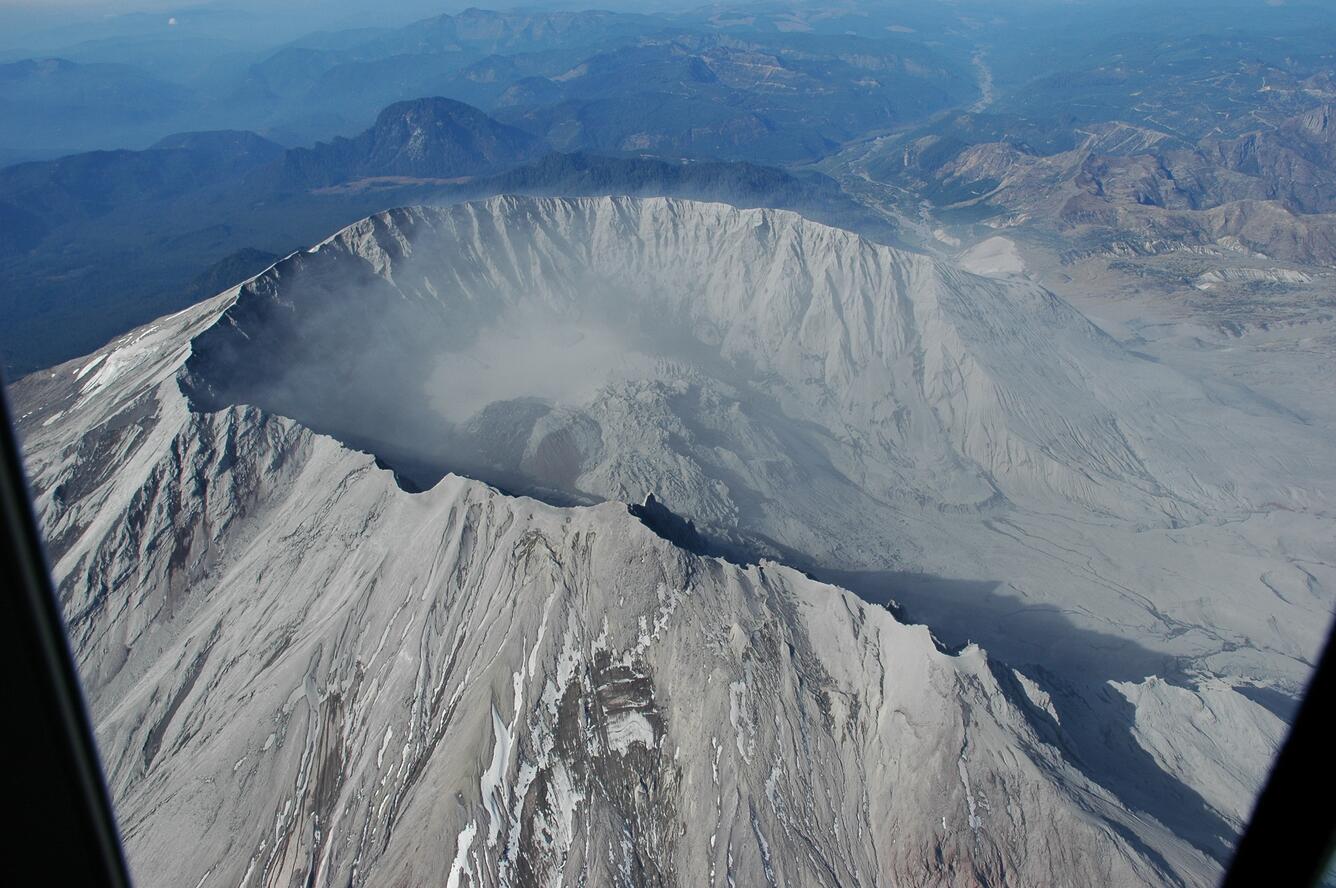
[
  {"x": 432, "y": 138},
  {"x": 421, "y": 139},
  {"x": 233, "y": 149},
  {"x": 780, "y": 100},
  {"x": 358, "y": 89},
  {"x": 176, "y": 55},
  {"x": 486, "y": 31},
  {"x": 618, "y": 82},
  {"x": 362, "y": 70},
  {"x": 290, "y": 72},
  {"x": 688, "y": 84},
  {"x": 85, "y": 186},
  {"x": 98, "y": 242},
  {"x": 20, "y": 229},
  {"x": 56, "y": 104},
  {"x": 1193, "y": 84}
]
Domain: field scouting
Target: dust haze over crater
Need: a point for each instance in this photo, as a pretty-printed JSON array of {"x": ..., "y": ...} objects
[
  {"x": 557, "y": 364},
  {"x": 495, "y": 376},
  {"x": 795, "y": 391},
  {"x": 443, "y": 339}
]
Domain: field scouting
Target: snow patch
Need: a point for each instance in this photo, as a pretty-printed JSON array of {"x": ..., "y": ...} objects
[
  {"x": 628, "y": 728},
  {"x": 463, "y": 842},
  {"x": 995, "y": 257}
]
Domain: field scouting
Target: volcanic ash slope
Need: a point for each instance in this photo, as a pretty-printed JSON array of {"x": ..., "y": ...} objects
[{"x": 304, "y": 674}]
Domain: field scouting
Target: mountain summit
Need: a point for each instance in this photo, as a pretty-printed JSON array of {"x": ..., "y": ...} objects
[{"x": 432, "y": 138}]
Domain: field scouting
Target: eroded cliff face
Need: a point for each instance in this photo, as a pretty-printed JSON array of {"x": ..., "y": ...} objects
[
  {"x": 722, "y": 358},
  {"x": 303, "y": 673},
  {"x": 974, "y": 449}
]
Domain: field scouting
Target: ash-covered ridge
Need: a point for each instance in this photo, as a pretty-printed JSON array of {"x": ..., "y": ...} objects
[
  {"x": 533, "y": 338},
  {"x": 304, "y": 673},
  {"x": 866, "y": 413}
]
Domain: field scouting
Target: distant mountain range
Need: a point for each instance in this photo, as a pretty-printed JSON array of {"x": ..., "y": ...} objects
[
  {"x": 591, "y": 80},
  {"x": 55, "y": 104},
  {"x": 778, "y": 99},
  {"x": 1128, "y": 187},
  {"x": 48, "y": 194},
  {"x": 95, "y": 243}
]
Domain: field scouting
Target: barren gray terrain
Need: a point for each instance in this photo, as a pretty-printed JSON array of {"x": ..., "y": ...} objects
[{"x": 352, "y": 577}]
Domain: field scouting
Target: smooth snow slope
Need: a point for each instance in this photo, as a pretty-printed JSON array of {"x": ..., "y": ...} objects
[{"x": 299, "y": 666}]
